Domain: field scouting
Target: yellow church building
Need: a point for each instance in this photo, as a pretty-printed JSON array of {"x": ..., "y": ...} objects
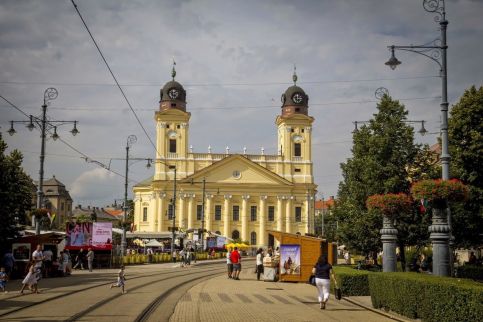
[{"x": 245, "y": 195}]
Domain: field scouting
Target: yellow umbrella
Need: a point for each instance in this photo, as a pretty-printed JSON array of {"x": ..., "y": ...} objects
[{"x": 231, "y": 245}]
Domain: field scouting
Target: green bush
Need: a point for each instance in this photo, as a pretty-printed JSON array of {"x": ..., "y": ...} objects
[
  {"x": 352, "y": 282},
  {"x": 427, "y": 297},
  {"x": 471, "y": 271}
]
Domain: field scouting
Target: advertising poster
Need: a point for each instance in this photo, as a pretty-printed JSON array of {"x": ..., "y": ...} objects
[
  {"x": 79, "y": 235},
  {"x": 290, "y": 259},
  {"x": 21, "y": 251},
  {"x": 220, "y": 242},
  {"x": 102, "y": 235}
]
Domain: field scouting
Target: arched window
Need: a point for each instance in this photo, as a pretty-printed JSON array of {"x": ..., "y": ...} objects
[
  {"x": 235, "y": 234},
  {"x": 253, "y": 238}
]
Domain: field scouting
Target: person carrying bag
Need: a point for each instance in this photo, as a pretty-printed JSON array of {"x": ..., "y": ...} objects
[{"x": 323, "y": 271}]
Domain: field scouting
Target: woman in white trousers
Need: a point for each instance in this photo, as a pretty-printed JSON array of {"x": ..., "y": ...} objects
[{"x": 323, "y": 271}]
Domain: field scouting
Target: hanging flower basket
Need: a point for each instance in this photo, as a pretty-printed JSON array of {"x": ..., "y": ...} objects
[
  {"x": 389, "y": 204},
  {"x": 39, "y": 213},
  {"x": 438, "y": 192}
]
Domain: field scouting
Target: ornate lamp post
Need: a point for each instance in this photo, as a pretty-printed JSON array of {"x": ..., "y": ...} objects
[
  {"x": 45, "y": 126},
  {"x": 436, "y": 51}
]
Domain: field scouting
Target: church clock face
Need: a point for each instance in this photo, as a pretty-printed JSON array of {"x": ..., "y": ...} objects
[
  {"x": 172, "y": 134},
  {"x": 297, "y": 98},
  {"x": 173, "y": 93}
]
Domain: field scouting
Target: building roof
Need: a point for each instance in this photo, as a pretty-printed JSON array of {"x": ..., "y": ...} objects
[
  {"x": 324, "y": 204},
  {"x": 101, "y": 214}
]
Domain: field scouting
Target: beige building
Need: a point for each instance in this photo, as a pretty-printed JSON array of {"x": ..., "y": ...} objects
[
  {"x": 245, "y": 194},
  {"x": 57, "y": 200}
]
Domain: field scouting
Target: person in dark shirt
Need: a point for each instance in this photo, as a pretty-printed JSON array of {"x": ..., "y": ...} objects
[{"x": 323, "y": 271}]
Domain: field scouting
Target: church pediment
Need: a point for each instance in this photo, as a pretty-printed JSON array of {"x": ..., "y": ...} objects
[{"x": 237, "y": 169}]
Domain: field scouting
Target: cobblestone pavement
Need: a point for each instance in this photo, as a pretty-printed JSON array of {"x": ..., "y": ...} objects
[{"x": 223, "y": 299}]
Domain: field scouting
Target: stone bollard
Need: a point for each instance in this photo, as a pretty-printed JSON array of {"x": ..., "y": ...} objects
[
  {"x": 388, "y": 237},
  {"x": 439, "y": 235}
]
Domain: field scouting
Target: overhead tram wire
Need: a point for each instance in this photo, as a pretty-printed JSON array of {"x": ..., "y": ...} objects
[
  {"x": 84, "y": 156},
  {"x": 82, "y": 108},
  {"x": 114, "y": 77},
  {"x": 222, "y": 84}
]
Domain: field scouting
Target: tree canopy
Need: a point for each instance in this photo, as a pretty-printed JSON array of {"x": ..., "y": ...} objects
[
  {"x": 465, "y": 131},
  {"x": 384, "y": 159},
  {"x": 16, "y": 189}
]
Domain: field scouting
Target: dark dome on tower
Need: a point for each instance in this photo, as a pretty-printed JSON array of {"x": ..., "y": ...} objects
[
  {"x": 295, "y": 100},
  {"x": 172, "y": 95}
]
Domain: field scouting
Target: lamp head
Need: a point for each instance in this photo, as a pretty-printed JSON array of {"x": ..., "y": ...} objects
[
  {"x": 393, "y": 61},
  {"x": 12, "y": 130},
  {"x": 75, "y": 131},
  {"x": 31, "y": 124},
  {"x": 55, "y": 136},
  {"x": 422, "y": 130}
]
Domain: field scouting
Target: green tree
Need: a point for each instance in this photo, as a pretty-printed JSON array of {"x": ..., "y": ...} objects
[
  {"x": 383, "y": 161},
  {"x": 465, "y": 131},
  {"x": 16, "y": 189}
]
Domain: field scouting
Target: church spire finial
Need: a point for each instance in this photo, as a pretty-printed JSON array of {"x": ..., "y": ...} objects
[
  {"x": 294, "y": 77},
  {"x": 173, "y": 71}
]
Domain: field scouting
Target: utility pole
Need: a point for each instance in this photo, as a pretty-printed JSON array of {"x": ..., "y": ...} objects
[
  {"x": 174, "y": 213},
  {"x": 203, "y": 216}
]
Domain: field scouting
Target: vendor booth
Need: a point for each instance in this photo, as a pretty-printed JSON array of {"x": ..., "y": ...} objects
[{"x": 297, "y": 256}]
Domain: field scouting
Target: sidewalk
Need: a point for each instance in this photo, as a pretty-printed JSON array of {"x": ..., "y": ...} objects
[{"x": 223, "y": 299}]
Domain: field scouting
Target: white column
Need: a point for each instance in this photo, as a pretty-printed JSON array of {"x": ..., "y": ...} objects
[
  {"x": 226, "y": 216},
  {"x": 280, "y": 212},
  {"x": 307, "y": 216},
  {"x": 161, "y": 210},
  {"x": 289, "y": 214},
  {"x": 244, "y": 217},
  {"x": 191, "y": 199},
  {"x": 263, "y": 215},
  {"x": 180, "y": 212},
  {"x": 208, "y": 212}
]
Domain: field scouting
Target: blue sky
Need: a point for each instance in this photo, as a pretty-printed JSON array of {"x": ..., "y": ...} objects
[{"x": 235, "y": 59}]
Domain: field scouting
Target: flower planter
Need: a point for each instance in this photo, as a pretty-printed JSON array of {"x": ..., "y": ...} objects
[
  {"x": 438, "y": 193},
  {"x": 389, "y": 205}
]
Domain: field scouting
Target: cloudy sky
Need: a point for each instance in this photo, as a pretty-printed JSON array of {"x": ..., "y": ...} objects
[{"x": 235, "y": 59}]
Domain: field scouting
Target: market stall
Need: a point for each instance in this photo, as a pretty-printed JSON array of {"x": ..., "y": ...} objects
[{"x": 298, "y": 255}]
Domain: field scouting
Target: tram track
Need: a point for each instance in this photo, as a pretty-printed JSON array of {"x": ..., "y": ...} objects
[
  {"x": 64, "y": 295},
  {"x": 146, "y": 312}
]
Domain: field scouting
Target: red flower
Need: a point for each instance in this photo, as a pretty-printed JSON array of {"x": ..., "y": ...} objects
[
  {"x": 438, "y": 192},
  {"x": 390, "y": 204}
]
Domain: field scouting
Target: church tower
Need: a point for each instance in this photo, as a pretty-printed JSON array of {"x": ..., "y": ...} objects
[
  {"x": 295, "y": 135},
  {"x": 172, "y": 124}
]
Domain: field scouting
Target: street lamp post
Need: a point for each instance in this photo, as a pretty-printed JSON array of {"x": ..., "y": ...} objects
[
  {"x": 130, "y": 141},
  {"x": 436, "y": 51},
  {"x": 45, "y": 125}
]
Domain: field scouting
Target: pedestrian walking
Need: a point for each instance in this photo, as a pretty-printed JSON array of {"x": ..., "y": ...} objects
[
  {"x": 30, "y": 279},
  {"x": 121, "y": 278},
  {"x": 90, "y": 258},
  {"x": 173, "y": 255},
  {"x": 38, "y": 258},
  {"x": 8, "y": 262},
  {"x": 182, "y": 258},
  {"x": 3, "y": 280},
  {"x": 229, "y": 264},
  {"x": 48, "y": 256},
  {"x": 80, "y": 259},
  {"x": 236, "y": 260},
  {"x": 259, "y": 263},
  {"x": 323, "y": 272}
]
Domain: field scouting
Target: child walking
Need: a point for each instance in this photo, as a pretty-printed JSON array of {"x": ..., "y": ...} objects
[
  {"x": 30, "y": 280},
  {"x": 120, "y": 280},
  {"x": 3, "y": 279}
]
